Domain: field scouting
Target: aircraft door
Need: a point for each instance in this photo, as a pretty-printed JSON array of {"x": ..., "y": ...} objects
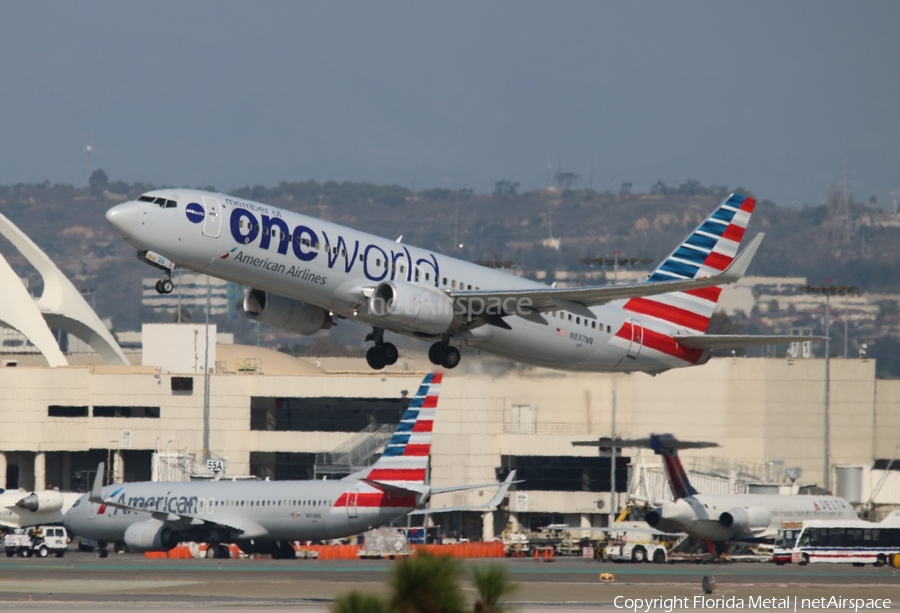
[
  {"x": 213, "y": 221},
  {"x": 352, "y": 497},
  {"x": 637, "y": 339},
  {"x": 92, "y": 510}
]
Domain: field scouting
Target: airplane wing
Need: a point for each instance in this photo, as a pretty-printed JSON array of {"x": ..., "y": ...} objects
[
  {"x": 490, "y": 505},
  {"x": 577, "y": 299},
  {"x": 181, "y": 521},
  {"x": 739, "y": 341}
]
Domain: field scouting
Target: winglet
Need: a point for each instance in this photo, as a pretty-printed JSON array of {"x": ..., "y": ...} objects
[
  {"x": 97, "y": 490},
  {"x": 738, "y": 268},
  {"x": 494, "y": 502}
]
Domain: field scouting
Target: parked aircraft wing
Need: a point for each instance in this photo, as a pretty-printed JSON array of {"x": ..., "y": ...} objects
[
  {"x": 490, "y": 505},
  {"x": 458, "y": 488},
  {"x": 247, "y": 528},
  {"x": 739, "y": 341},
  {"x": 576, "y": 299}
]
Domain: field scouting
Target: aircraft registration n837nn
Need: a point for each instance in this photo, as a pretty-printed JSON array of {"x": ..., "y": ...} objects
[{"x": 305, "y": 272}]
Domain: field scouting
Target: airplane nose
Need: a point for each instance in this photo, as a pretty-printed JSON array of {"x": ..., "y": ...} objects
[{"x": 122, "y": 217}]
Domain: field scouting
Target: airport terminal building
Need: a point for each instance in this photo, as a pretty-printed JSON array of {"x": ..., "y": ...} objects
[{"x": 278, "y": 417}]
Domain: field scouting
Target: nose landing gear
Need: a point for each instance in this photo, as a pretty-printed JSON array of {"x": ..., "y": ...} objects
[
  {"x": 444, "y": 354},
  {"x": 165, "y": 285},
  {"x": 382, "y": 354}
]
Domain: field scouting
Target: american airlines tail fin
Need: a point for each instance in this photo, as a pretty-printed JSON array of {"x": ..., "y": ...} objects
[
  {"x": 665, "y": 445},
  {"x": 706, "y": 252},
  {"x": 405, "y": 458}
]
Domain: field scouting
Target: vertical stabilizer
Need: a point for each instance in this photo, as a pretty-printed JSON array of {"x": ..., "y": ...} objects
[
  {"x": 678, "y": 479},
  {"x": 405, "y": 458},
  {"x": 706, "y": 252}
]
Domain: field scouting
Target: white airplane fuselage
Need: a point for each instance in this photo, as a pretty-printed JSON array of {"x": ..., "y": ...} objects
[
  {"x": 265, "y": 511},
  {"x": 332, "y": 268},
  {"x": 700, "y": 515}
]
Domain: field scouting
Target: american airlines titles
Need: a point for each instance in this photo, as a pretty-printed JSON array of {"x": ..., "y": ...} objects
[
  {"x": 172, "y": 504},
  {"x": 272, "y": 231}
]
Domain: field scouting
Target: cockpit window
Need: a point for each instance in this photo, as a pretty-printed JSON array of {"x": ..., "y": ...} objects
[{"x": 160, "y": 202}]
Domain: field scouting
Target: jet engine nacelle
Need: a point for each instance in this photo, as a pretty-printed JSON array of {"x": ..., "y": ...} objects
[
  {"x": 420, "y": 309},
  {"x": 656, "y": 521},
  {"x": 46, "y": 501},
  {"x": 746, "y": 519},
  {"x": 284, "y": 313},
  {"x": 150, "y": 535}
]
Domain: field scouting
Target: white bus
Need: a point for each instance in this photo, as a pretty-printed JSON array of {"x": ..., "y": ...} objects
[{"x": 854, "y": 542}]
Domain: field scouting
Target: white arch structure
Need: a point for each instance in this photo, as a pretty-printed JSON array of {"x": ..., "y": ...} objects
[{"x": 60, "y": 306}]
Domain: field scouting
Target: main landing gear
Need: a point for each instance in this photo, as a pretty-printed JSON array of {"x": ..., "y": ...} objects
[
  {"x": 382, "y": 354},
  {"x": 444, "y": 354},
  {"x": 165, "y": 285}
]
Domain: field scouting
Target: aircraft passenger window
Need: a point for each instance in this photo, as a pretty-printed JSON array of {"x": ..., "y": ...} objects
[
  {"x": 445, "y": 281},
  {"x": 427, "y": 276},
  {"x": 453, "y": 284},
  {"x": 377, "y": 261},
  {"x": 607, "y": 329},
  {"x": 570, "y": 317},
  {"x": 360, "y": 257},
  {"x": 343, "y": 253},
  {"x": 470, "y": 287},
  {"x": 577, "y": 320},
  {"x": 402, "y": 269},
  {"x": 594, "y": 325},
  {"x": 265, "y": 231}
]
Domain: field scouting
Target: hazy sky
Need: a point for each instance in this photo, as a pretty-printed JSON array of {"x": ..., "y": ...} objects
[{"x": 773, "y": 96}]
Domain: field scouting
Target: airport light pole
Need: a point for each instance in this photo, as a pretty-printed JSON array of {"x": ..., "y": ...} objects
[
  {"x": 828, "y": 291},
  {"x": 206, "y": 379}
]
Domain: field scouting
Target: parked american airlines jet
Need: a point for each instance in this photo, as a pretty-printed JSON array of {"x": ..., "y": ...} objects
[
  {"x": 305, "y": 273},
  {"x": 724, "y": 517},
  {"x": 264, "y": 516}
]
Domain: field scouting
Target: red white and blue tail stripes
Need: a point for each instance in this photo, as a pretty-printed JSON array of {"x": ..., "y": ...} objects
[
  {"x": 405, "y": 458},
  {"x": 707, "y": 251}
]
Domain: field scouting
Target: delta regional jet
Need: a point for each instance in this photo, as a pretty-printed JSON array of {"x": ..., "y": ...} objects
[
  {"x": 305, "y": 273},
  {"x": 717, "y": 518},
  {"x": 266, "y": 516}
]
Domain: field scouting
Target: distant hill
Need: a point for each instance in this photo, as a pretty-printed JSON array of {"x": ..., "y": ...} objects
[{"x": 861, "y": 248}]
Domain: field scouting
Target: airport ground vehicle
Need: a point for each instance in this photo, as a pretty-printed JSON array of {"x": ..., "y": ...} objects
[
  {"x": 39, "y": 541},
  {"x": 785, "y": 541},
  {"x": 854, "y": 542},
  {"x": 633, "y": 542}
]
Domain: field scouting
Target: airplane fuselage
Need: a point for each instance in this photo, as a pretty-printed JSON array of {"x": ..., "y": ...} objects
[
  {"x": 258, "y": 511},
  {"x": 700, "y": 515},
  {"x": 332, "y": 267}
]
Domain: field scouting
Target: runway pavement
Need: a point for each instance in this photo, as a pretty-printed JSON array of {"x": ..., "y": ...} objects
[{"x": 80, "y": 581}]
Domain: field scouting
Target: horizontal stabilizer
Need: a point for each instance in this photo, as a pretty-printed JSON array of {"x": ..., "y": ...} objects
[
  {"x": 666, "y": 442},
  {"x": 390, "y": 488},
  {"x": 740, "y": 341}
]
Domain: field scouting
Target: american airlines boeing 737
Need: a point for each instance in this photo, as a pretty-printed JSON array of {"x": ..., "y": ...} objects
[
  {"x": 306, "y": 273},
  {"x": 265, "y": 516}
]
